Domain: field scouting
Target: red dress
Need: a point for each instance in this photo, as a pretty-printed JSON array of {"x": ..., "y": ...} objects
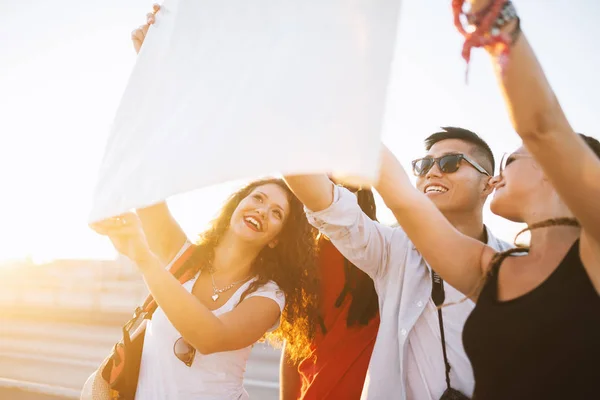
[{"x": 338, "y": 364}]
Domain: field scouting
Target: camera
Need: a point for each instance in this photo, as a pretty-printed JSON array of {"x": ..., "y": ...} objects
[{"x": 453, "y": 394}]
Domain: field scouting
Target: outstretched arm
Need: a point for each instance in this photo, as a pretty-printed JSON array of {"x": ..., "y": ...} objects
[
  {"x": 540, "y": 121},
  {"x": 206, "y": 332},
  {"x": 459, "y": 259},
  {"x": 314, "y": 191},
  {"x": 335, "y": 212},
  {"x": 163, "y": 234}
]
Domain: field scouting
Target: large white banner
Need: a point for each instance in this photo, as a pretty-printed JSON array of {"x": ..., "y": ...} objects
[{"x": 233, "y": 89}]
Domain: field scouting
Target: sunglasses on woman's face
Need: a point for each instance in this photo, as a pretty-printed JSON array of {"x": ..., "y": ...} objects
[
  {"x": 507, "y": 159},
  {"x": 184, "y": 351},
  {"x": 448, "y": 164}
]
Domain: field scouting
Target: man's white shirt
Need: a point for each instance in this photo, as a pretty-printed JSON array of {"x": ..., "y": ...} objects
[{"x": 407, "y": 361}]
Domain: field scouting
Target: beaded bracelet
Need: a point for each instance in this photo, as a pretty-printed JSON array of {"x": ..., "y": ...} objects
[
  {"x": 507, "y": 14},
  {"x": 485, "y": 29}
]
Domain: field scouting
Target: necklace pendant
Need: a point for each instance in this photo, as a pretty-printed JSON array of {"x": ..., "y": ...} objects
[{"x": 215, "y": 297}]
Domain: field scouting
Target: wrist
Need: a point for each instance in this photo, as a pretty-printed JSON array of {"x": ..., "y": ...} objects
[
  {"x": 479, "y": 5},
  {"x": 493, "y": 24},
  {"x": 493, "y": 18},
  {"x": 147, "y": 262}
]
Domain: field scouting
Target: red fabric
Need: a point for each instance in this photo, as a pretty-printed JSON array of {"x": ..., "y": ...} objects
[{"x": 338, "y": 364}]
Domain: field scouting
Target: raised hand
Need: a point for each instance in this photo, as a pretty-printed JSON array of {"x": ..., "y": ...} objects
[
  {"x": 139, "y": 35},
  {"x": 126, "y": 234}
]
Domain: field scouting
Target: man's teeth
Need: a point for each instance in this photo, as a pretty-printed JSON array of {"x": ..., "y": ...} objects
[
  {"x": 437, "y": 189},
  {"x": 254, "y": 222}
]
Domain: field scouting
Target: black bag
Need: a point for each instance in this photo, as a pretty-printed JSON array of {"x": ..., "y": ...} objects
[{"x": 121, "y": 368}]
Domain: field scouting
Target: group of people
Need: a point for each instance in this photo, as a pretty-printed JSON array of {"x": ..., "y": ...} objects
[{"x": 436, "y": 308}]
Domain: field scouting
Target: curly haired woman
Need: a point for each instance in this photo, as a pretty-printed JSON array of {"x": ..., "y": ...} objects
[{"x": 254, "y": 279}]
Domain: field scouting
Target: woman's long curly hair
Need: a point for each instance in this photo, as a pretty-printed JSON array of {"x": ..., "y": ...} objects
[{"x": 291, "y": 265}]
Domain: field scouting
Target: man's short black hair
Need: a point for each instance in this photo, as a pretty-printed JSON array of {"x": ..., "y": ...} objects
[
  {"x": 451, "y": 132},
  {"x": 593, "y": 143}
]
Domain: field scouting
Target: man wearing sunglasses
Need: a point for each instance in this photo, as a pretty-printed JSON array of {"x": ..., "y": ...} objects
[
  {"x": 418, "y": 353},
  {"x": 455, "y": 175}
]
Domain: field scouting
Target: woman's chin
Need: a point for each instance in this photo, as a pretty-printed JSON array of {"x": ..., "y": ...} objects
[
  {"x": 499, "y": 207},
  {"x": 247, "y": 235},
  {"x": 505, "y": 211}
]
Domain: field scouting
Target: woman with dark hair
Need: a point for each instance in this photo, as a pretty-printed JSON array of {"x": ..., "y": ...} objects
[
  {"x": 348, "y": 323},
  {"x": 254, "y": 278},
  {"x": 534, "y": 331}
]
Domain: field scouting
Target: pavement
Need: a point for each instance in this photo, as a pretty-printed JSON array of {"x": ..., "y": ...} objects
[{"x": 48, "y": 352}]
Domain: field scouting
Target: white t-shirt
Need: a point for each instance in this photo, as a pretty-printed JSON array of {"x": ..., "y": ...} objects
[{"x": 217, "y": 376}]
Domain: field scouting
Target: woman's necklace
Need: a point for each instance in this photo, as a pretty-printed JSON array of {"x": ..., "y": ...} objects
[{"x": 217, "y": 291}]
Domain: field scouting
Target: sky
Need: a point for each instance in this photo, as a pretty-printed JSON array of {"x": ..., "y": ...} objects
[{"x": 64, "y": 65}]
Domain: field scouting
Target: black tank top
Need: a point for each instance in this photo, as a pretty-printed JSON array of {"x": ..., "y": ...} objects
[{"x": 542, "y": 345}]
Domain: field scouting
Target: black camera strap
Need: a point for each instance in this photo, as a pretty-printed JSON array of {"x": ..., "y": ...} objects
[{"x": 439, "y": 295}]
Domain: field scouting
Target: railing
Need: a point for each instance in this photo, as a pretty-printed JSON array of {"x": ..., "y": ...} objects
[
  {"x": 39, "y": 388},
  {"x": 93, "y": 287},
  {"x": 58, "y": 322}
]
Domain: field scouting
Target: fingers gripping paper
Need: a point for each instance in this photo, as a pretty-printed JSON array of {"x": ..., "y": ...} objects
[{"x": 233, "y": 89}]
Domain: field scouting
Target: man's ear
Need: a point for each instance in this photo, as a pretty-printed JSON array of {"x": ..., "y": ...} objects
[{"x": 490, "y": 185}]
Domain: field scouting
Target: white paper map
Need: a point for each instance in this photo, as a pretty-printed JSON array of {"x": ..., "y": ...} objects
[{"x": 234, "y": 89}]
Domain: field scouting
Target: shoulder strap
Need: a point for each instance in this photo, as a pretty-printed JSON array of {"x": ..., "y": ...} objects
[
  {"x": 488, "y": 290},
  {"x": 438, "y": 295},
  {"x": 498, "y": 258},
  {"x": 149, "y": 305}
]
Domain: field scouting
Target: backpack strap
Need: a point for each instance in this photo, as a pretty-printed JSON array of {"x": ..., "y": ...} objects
[{"x": 177, "y": 270}]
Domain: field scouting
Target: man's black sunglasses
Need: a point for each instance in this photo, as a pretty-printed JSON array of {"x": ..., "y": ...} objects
[{"x": 448, "y": 164}]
